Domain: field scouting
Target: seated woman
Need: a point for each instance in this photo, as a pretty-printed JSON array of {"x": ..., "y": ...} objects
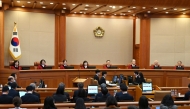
[
  {"x": 16, "y": 65},
  {"x": 49, "y": 103},
  {"x": 108, "y": 64},
  {"x": 59, "y": 95},
  {"x": 168, "y": 103},
  {"x": 42, "y": 64},
  {"x": 111, "y": 103},
  {"x": 80, "y": 104},
  {"x": 132, "y": 65},
  {"x": 64, "y": 64},
  {"x": 84, "y": 65},
  {"x": 82, "y": 94},
  {"x": 143, "y": 103}
]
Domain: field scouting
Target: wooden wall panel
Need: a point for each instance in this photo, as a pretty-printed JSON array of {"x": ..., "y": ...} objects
[{"x": 2, "y": 39}]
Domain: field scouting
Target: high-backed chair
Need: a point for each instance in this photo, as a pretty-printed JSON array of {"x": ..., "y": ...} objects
[
  {"x": 36, "y": 64},
  {"x": 159, "y": 95},
  {"x": 11, "y": 64},
  {"x": 59, "y": 64}
]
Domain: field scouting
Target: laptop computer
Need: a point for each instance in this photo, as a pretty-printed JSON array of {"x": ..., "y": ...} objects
[
  {"x": 92, "y": 89},
  {"x": 22, "y": 93},
  {"x": 147, "y": 87},
  {"x": 69, "y": 67}
]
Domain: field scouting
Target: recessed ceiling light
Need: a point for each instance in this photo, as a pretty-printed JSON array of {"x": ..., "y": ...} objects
[
  {"x": 129, "y": 11},
  {"x": 18, "y": 1},
  {"x": 134, "y": 7},
  {"x": 75, "y": 12},
  {"x": 64, "y": 8},
  {"x": 63, "y": 4},
  {"x": 22, "y": 6},
  {"x": 148, "y": 11},
  {"x": 80, "y": 12},
  {"x": 73, "y": 4},
  {"x": 167, "y": 12},
  {"x": 155, "y": 8},
  {"x": 115, "y": 14},
  {"x": 43, "y": 6},
  {"x": 110, "y": 6},
  {"x": 183, "y": 9},
  {"x": 120, "y": 6},
  {"x": 175, "y": 8},
  {"x": 85, "y": 9},
  {"x": 164, "y": 8},
  {"x": 51, "y": 3},
  {"x": 143, "y": 7},
  {"x": 86, "y": 5},
  {"x": 28, "y": 2},
  {"x": 41, "y": 2},
  {"x": 101, "y": 13},
  {"x": 113, "y": 7},
  {"x": 97, "y": 5},
  {"x": 108, "y": 10}
]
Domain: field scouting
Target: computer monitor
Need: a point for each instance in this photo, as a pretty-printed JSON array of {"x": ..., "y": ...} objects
[
  {"x": 157, "y": 67},
  {"x": 69, "y": 67},
  {"x": 112, "y": 67},
  {"x": 91, "y": 67},
  {"x": 180, "y": 68},
  {"x": 22, "y": 93},
  {"x": 136, "y": 67},
  {"x": 25, "y": 68},
  {"x": 48, "y": 67},
  {"x": 92, "y": 89},
  {"x": 157, "y": 107},
  {"x": 146, "y": 86}
]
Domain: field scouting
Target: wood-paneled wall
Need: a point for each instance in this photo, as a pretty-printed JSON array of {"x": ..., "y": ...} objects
[{"x": 2, "y": 39}]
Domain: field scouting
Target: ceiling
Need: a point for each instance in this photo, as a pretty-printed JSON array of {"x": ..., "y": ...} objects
[{"x": 106, "y": 7}]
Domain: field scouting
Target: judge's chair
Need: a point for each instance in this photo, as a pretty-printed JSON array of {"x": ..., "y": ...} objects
[
  {"x": 36, "y": 64},
  {"x": 11, "y": 64},
  {"x": 59, "y": 64}
]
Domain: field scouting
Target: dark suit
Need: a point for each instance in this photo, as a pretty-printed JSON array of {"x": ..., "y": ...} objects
[
  {"x": 102, "y": 80},
  {"x": 100, "y": 97},
  {"x": 37, "y": 94},
  {"x": 59, "y": 98},
  {"x": 5, "y": 99},
  {"x": 30, "y": 98},
  {"x": 187, "y": 95},
  {"x": 13, "y": 93},
  {"x": 66, "y": 94},
  {"x": 123, "y": 96},
  {"x": 97, "y": 78},
  {"x": 85, "y": 99}
]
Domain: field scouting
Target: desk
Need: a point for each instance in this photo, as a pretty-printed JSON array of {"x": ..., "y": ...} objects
[{"x": 53, "y": 77}]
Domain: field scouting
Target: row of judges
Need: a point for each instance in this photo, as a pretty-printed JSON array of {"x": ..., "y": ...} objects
[{"x": 85, "y": 65}]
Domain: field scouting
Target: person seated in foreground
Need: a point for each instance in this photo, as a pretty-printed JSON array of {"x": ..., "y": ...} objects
[
  {"x": 65, "y": 93},
  {"x": 49, "y": 103},
  {"x": 96, "y": 76},
  {"x": 16, "y": 65},
  {"x": 82, "y": 94},
  {"x": 123, "y": 94},
  {"x": 84, "y": 65},
  {"x": 187, "y": 94},
  {"x": 132, "y": 107},
  {"x": 59, "y": 95},
  {"x": 168, "y": 103},
  {"x": 17, "y": 102},
  {"x": 34, "y": 87},
  {"x": 64, "y": 64},
  {"x": 111, "y": 103},
  {"x": 5, "y": 98},
  {"x": 80, "y": 104},
  {"x": 133, "y": 64},
  {"x": 155, "y": 65},
  {"x": 108, "y": 64},
  {"x": 80, "y": 86},
  {"x": 13, "y": 92},
  {"x": 29, "y": 97},
  {"x": 179, "y": 66},
  {"x": 102, "y": 96},
  {"x": 143, "y": 103},
  {"x": 42, "y": 64},
  {"x": 103, "y": 78}
]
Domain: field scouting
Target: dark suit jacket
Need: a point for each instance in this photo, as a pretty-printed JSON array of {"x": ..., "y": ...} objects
[
  {"x": 66, "y": 94},
  {"x": 59, "y": 98},
  {"x": 97, "y": 78},
  {"x": 85, "y": 99},
  {"x": 37, "y": 94},
  {"x": 102, "y": 80},
  {"x": 187, "y": 95},
  {"x": 100, "y": 97},
  {"x": 30, "y": 98},
  {"x": 120, "y": 96},
  {"x": 5, "y": 99},
  {"x": 13, "y": 93}
]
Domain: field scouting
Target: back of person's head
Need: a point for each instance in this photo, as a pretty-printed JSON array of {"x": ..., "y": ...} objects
[
  {"x": 80, "y": 104},
  {"x": 111, "y": 101},
  {"x": 81, "y": 93},
  {"x": 29, "y": 88},
  {"x": 49, "y": 103},
  {"x": 5, "y": 89},
  {"x": 97, "y": 71},
  {"x": 60, "y": 90},
  {"x": 143, "y": 102},
  {"x": 13, "y": 74},
  {"x": 103, "y": 85},
  {"x": 33, "y": 85},
  {"x": 167, "y": 100},
  {"x": 104, "y": 90},
  {"x": 62, "y": 84},
  {"x": 17, "y": 101},
  {"x": 103, "y": 73},
  {"x": 132, "y": 107},
  {"x": 136, "y": 72},
  {"x": 80, "y": 85},
  {"x": 123, "y": 87},
  {"x": 13, "y": 85}
]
